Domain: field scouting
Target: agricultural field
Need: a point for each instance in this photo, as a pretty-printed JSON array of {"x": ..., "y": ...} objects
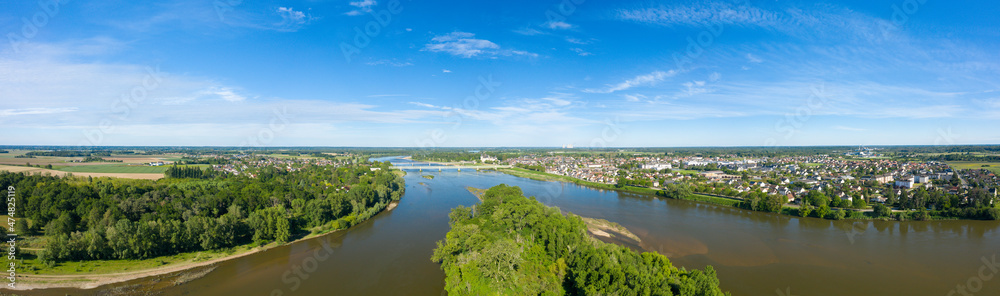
[
  {"x": 965, "y": 165},
  {"x": 119, "y": 168},
  {"x": 9, "y": 159},
  {"x": 37, "y": 170}
]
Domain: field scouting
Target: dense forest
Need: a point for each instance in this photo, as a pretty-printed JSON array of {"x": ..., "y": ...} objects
[
  {"x": 513, "y": 245},
  {"x": 105, "y": 218}
]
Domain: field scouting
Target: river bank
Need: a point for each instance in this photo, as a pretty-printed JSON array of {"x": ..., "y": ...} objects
[
  {"x": 786, "y": 210},
  {"x": 179, "y": 268}
]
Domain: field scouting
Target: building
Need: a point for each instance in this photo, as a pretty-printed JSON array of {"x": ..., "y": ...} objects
[
  {"x": 484, "y": 158},
  {"x": 884, "y": 178},
  {"x": 922, "y": 179},
  {"x": 657, "y": 166},
  {"x": 905, "y": 182}
]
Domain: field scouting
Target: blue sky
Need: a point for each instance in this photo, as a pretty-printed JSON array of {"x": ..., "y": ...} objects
[{"x": 500, "y": 73}]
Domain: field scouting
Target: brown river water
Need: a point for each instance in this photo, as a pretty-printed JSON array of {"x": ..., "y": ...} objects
[{"x": 754, "y": 253}]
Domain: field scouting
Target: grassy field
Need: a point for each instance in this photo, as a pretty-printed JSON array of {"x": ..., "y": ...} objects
[
  {"x": 119, "y": 168},
  {"x": 964, "y": 165},
  {"x": 714, "y": 200},
  {"x": 539, "y": 176},
  {"x": 686, "y": 172},
  {"x": 810, "y": 165}
]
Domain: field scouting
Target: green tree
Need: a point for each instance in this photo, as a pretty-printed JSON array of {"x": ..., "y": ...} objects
[{"x": 882, "y": 210}]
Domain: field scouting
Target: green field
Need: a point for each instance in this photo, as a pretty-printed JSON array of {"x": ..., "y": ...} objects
[
  {"x": 686, "y": 172},
  {"x": 965, "y": 165},
  {"x": 810, "y": 165},
  {"x": 119, "y": 168}
]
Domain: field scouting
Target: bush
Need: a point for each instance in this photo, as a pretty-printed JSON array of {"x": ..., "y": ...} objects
[{"x": 836, "y": 215}]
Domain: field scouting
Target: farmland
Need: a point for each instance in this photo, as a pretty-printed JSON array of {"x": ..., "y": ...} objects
[
  {"x": 965, "y": 165},
  {"x": 119, "y": 168},
  {"x": 37, "y": 170}
]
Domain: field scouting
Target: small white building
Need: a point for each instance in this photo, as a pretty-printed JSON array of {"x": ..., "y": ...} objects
[{"x": 657, "y": 166}]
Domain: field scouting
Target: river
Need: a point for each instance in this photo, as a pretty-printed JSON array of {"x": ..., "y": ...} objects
[{"x": 754, "y": 253}]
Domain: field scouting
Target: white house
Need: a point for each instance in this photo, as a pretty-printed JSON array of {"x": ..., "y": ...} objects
[{"x": 657, "y": 166}]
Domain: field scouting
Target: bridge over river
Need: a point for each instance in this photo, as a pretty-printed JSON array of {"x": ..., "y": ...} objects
[{"x": 450, "y": 167}]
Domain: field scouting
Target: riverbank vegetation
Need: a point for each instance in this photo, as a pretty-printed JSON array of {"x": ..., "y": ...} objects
[
  {"x": 512, "y": 245},
  {"x": 106, "y": 219}
]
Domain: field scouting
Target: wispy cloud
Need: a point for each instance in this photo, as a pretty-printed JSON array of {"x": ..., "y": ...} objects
[
  {"x": 226, "y": 94},
  {"x": 821, "y": 21},
  {"x": 361, "y": 7},
  {"x": 558, "y": 25},
  {"x": 847, "y": 128},
  {"x": 703, "y": 14},
  {"x": 35, "y": 111},
  {"x": 291, "y": 19},
  {"x": 392, "y": 62},
  {"x": 641, "y": 80},
  {"x": 465, "y": 45}
]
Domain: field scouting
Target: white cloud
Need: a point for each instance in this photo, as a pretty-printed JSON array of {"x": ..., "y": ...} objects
[
  {"x": 445, "y": 71},
  {"x": 529, "y": 31},
  {"x": 34, "y": 111},
  {"x": 364, "y": 6},
  {"x": 712, "y": 13},
  {"x": 847, "y": 128},
  {"x": 580, "y": 51},
  {"x": 291, "y": 19},
  {"x": 393, "y": 63},
  {"x": 641, "y": 80},
  {"x": 524, "y": 116},
  {"x": 694, "y": 88},
  {"x": 753, "y": 59},
  {"x": 824, "y": 21},
  {"x": 558, "y": 25},
  {"x": 634, "y": 97},
  {"x": 226, "y": 94},
  {"x": 465, "y": 45}
]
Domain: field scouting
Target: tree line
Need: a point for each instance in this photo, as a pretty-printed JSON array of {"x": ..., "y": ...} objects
[{"x": 105, "y": 218}]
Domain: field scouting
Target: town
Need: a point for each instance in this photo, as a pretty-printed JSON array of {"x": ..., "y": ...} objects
[{"x": 845, "y": 179}]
